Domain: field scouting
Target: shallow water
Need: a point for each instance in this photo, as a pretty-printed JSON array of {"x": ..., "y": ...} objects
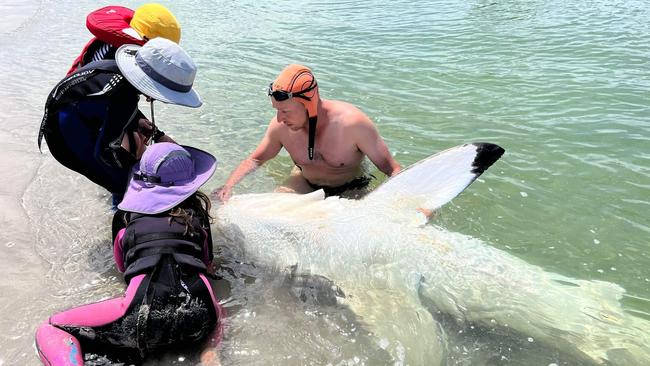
[{"x": 562, "y": 86}]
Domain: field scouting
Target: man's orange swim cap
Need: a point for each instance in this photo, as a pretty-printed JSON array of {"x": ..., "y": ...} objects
[{"x": 298, "y": 82}]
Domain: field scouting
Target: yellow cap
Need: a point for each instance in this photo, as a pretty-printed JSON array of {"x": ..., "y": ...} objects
[{"x": 154, "y": 20}]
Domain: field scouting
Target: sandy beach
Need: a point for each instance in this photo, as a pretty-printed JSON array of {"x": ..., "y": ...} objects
[
  {"x": 19, "y": 164},
  {"x": 29, "y": 288}
]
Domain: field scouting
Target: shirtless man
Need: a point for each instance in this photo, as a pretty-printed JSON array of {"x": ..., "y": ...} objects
[{"x": 326, "y": 139}]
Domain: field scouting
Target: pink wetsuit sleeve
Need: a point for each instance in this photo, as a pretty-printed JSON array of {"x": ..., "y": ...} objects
[
  {"x": 57, "y": 347},
  {"x": 117, "y": 250}
]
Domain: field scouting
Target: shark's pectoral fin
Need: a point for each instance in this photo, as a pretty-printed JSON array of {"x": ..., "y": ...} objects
[
  {"x": 314, "y": 290},
  {"x": 436, "y": 180},
  {"x": 396, "y": 320}
]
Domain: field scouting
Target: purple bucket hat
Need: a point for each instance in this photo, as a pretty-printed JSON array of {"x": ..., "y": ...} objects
[{"x": 166, "y": 176}]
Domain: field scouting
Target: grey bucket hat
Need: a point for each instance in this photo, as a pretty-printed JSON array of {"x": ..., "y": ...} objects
[{"x": 160, "y": 69}]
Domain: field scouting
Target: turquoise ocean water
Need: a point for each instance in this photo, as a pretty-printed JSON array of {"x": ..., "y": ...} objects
[{"x": 563, "y": 86}]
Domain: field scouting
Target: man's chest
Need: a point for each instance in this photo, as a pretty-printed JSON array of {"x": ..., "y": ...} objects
[{"x": 335, "y": 152}]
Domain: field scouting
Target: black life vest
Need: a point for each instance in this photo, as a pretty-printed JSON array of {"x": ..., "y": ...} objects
[
  {"x": 149, "y": 238},
  {"x": 172, "y": 309},
  {"x": 172, "y": 306},
  {"x": 117, "y": 102},
  {"x": 93, "y": 47}
]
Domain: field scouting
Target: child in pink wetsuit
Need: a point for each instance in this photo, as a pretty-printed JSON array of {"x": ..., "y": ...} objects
[{"x": 162, "y": 243}]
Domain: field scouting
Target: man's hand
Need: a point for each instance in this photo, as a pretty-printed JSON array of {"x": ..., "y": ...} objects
[
  {"x": 223, "y": 193},
  {"x": 428, "y": 214}
]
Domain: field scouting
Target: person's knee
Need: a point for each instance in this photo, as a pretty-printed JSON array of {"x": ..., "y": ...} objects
[
  {"x": 296, "y": 183},
  {"x": 284, "y": 189}
]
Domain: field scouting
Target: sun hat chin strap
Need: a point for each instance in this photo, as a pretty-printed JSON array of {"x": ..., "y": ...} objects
[
  {"x": 153, "y": 125},
  {"x": 165, "y": 176},
  {"x": 149, "y": 178},
  {"x": 153, "y": 74}
]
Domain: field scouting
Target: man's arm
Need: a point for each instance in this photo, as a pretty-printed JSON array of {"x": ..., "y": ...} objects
[
  {"x": 373, "y": 146},
  {"x": 267, "y": 149}
]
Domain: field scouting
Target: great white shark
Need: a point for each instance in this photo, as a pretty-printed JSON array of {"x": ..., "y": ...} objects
[{"x": 394, "y": 270}]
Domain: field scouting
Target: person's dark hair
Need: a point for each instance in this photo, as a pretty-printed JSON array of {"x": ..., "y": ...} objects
[{"x": 197, "y": 205}]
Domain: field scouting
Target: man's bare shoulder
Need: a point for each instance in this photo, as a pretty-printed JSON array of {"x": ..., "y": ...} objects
[
  {"x": 347, "y": 115},
  {"x": 276, "y": 129}
]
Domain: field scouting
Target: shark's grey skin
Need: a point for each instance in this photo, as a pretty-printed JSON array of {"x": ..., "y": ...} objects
[{"x": 390, "y": 266}]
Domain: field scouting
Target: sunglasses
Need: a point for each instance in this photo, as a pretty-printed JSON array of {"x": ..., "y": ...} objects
[{"x": 281, "y": 95}]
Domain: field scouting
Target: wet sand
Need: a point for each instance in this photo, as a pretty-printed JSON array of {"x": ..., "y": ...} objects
[
  {"x": 24, "y": 288},
  {"x": 15, "y": 13}
]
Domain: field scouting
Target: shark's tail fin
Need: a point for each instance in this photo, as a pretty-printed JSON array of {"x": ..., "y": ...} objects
[
  {"x": 584, "y": 317},
  {"x": 436, "y": 180},
  {"x": 589, "y": 315}
]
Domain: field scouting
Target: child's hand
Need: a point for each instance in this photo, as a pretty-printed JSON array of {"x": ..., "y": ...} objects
[
  {"x": 166, "y": 138},
  {"x": 210, "y": 357}
]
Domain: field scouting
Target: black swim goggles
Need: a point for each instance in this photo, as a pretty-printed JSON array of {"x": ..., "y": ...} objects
[{"x": 281, "y": 95}]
